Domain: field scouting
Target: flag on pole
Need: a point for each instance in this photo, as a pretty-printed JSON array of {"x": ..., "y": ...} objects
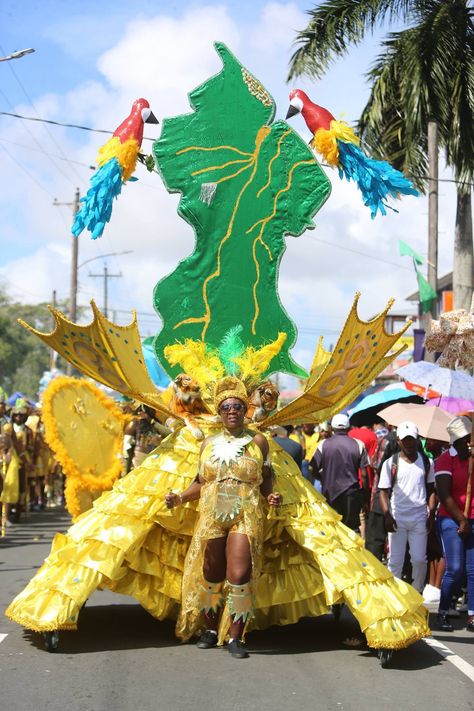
[
  {"x": 407, "y": 251},
  {"x": 427, "y": 295}
]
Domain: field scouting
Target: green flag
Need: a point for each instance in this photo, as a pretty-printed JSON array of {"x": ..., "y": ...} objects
[
  {"x": 407, "y": 251},
  {"x": 427, "y": 295}
]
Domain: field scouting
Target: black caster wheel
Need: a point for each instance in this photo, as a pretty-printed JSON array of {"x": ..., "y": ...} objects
[
  {"x": 385, "y": 657},
  {"x": 336, "y": 611},
  {"x": 51, "y": 641}
]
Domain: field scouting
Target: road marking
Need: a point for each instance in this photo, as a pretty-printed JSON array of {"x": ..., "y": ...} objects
[
  {"x": 448, "y": 654},
  {"x": 2, "y": 637}
]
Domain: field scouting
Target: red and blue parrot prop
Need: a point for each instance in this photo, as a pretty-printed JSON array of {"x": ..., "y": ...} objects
[
  {"x": 339, "y": 146},
  {"x": 117, "y": 160}
]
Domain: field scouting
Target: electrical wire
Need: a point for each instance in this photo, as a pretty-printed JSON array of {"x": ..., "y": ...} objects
[
  {"x": 30, "y": 101},
  {"x": 65, "y": 125},
  {"x": 147, "y": 138},
  {"x": 30, "y": 175},
  {"x": 37, "y": 150},
  {"x": 41, "y": 148}
]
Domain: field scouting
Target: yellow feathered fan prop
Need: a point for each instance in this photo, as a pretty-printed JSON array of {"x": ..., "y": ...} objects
[{"x": 84, "y": 428}]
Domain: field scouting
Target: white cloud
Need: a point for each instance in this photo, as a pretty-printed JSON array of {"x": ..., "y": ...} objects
[{"x": 169, "y": 54}]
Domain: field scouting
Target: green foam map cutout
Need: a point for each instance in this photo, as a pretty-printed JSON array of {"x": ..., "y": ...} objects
[{"x": 245, "y": 183}]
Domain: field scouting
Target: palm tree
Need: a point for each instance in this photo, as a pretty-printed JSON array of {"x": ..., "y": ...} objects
[{"x": 423, "y": 73}]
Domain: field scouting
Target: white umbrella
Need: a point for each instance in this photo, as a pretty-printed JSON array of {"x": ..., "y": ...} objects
[{"x": 451, "y": 383}]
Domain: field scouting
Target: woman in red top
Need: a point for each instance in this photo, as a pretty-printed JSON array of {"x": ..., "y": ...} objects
[{"x": 455, "y": 523}]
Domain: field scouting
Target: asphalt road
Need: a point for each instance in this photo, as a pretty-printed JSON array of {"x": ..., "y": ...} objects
[{"x": 121, "y": 659}]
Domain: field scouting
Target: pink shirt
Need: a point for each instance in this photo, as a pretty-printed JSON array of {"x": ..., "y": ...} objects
[{"x": 449, "y": 463}]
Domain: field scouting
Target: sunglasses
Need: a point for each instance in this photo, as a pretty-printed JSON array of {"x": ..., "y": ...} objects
[{"x": 228, "y": 406}]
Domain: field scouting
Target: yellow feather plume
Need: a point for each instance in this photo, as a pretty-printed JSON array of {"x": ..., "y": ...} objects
[
  {"x": 325, "y": 141},
  {"x": 204, "y": 366},
  {"x": 253, "y": 362},
  {"x": 126, "y": 154}
]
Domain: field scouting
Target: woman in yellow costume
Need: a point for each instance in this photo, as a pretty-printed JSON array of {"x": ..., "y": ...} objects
[
  {"x": 234, "y": 474},
  {"x": 137, "y": 541},
  {"x": 9, "y": 477}
]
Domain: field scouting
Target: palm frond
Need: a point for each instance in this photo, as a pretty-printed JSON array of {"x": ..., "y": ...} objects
[
  {"x": 384, "y": 125},
  {"x": 335, "y": 25},
  {"x": 424, "y": 73}
]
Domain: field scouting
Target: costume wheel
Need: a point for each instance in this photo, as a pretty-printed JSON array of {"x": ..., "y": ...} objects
[
  {"x": 336, "y": 611},
  {"x": 385, "y": 657},
  {"x": 51, "y": 640}
]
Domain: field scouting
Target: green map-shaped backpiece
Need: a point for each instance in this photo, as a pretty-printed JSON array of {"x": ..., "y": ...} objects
[{"x": 245, "y": 183}]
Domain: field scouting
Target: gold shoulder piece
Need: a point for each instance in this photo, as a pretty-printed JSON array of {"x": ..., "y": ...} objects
[
  {"x": 363, "y": 350},
  {"x": 109, "y": 353}
]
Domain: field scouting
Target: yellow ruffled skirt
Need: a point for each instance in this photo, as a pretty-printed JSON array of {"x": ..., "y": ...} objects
[{"x": 131, "y": 544}]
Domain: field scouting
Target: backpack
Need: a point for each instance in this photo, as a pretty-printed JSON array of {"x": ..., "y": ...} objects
[
  {"x": 394, "y": 467},
  {"x": 375, "y": 499}
]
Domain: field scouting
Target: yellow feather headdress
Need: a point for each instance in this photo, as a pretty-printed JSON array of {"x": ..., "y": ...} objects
[{"x": 208, "y": 365}]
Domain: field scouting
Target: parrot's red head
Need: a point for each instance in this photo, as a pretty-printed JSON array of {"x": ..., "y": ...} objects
[
  {"x": 297, "y": 101},
  {"x": 132, "y": 127},
  {"x": 315, "y": 116}
]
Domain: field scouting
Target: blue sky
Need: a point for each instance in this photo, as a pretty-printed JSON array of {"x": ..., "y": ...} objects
[{"x": 91, "y": 61}]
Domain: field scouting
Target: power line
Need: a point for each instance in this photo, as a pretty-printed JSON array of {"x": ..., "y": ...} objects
[
  {"x": 146, "y": 138},
  {"x": 30, "y": 101},
  {"x": 30, "y": 175},
  {"x": 356, "y": 251},
  {"x": 65, "y": 125},
  {"x": 41, "y": 148},
  {"x": 37, "y": 150}
]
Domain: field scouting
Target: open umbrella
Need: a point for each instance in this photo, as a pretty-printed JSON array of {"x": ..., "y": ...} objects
[
  {"x": 431, "y": 421},
  {"x": 453, "y": 405},
  {"x": 367, "y": 410},
  {"x": 451, "y": 383}
]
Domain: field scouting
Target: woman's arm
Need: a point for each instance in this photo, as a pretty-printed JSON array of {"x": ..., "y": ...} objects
[
  {"x": 443, "y": 487},
  {"x": 192, "y": 493}
]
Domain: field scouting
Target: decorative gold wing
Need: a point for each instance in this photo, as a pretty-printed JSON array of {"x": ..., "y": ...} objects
[
  {"x": 110, "y": 354},
  {"x": 337, "y": 378}
]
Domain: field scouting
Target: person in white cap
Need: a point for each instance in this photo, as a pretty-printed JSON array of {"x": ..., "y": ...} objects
[
  {"x": 407, "y": 500},
  {"x": 338, "y": 460},
  {"x": 455, "y": 519}
]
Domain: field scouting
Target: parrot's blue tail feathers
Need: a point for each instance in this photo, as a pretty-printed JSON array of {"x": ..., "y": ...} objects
[
  {"x": 96, "y": 210},
  {"x": 376, "y": 179}
]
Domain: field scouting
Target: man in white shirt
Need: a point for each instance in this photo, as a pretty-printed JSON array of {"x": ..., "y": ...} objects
[{"x": 409, "y": 512}]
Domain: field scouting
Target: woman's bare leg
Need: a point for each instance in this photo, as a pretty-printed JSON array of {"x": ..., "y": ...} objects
[
  {"x": 214, "y": 570},
  {"x": 239, "y": 571}
]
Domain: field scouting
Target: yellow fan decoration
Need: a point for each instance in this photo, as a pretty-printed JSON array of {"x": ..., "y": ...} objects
[
  {"x": 108, "y": 353},
  {"x": 84, "y": 428},
  {"x": 338, "y": 377}
]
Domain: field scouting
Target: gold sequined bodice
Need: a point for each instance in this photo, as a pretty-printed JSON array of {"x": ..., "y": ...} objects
[{"x": 246, "y": 468}]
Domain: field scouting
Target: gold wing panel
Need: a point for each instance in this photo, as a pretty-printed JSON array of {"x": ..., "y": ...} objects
[
  {"x": 106, "y": 352},
  {"x": 358, "y": 357}
]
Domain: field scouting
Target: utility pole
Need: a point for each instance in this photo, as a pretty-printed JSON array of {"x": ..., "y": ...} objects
[
  {"x": 74, "y": 259},
  {"x": 433, "y": 210},
  {"x": 433, "y": 184},
  {"x": 52, "y": 356},
  {"x": 105, "y": 276}
]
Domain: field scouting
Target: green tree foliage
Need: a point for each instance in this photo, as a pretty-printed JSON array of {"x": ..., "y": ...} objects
[{"x": 23, "y": 357}]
